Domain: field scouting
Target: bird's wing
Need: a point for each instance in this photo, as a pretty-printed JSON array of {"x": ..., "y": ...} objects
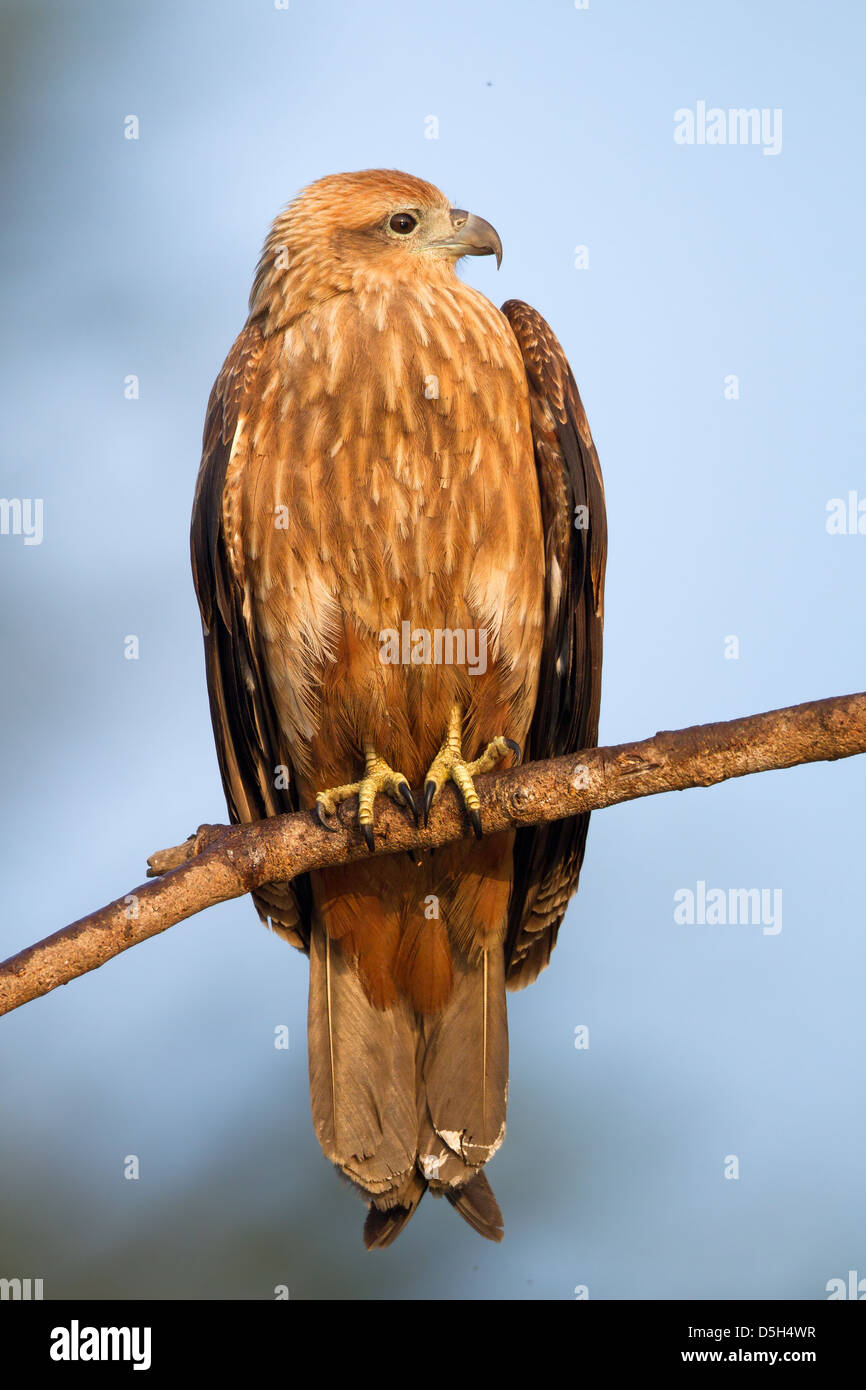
[
  {"x": 244, "y": 724},
  {"x": 547, "y": 859}
]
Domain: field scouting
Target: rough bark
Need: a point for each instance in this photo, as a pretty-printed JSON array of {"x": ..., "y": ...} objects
[{"x": 222, "y": 862}]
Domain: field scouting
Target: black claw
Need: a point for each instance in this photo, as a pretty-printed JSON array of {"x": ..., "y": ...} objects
[
  {"x": 320, "y": 817},
  {"x": 516, "y": 750},
  {"x": 429, "y": 793},
  {"x": 368, "y": 836},
  {"x": 475, "y": 822},
  {"x": 408, "y": 799}
]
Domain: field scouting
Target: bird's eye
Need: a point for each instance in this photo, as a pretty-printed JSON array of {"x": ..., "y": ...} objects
[{"x": 403, "y": 222}]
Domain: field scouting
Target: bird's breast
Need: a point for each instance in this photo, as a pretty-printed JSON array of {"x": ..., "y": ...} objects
[{"x": 388, "y": 478}]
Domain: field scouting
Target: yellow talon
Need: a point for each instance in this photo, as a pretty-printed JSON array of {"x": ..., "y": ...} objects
[
  {"x": 449, "y": 764},
  {"x": 378, "y": 777}
]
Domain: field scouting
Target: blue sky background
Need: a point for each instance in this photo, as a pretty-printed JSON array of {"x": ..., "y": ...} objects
[{"x": 124, "y": 257}]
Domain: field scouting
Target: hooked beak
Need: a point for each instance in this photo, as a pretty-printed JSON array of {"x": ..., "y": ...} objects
[{"x": 472, "y": 237}]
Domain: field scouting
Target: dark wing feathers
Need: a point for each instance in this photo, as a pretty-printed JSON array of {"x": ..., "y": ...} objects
[
  {"x": 248, "y": 746},
  {"x": 547, "y": 859}
]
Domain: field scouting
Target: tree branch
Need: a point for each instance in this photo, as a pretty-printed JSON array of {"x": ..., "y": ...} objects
[{"x": 223, "y": 862}]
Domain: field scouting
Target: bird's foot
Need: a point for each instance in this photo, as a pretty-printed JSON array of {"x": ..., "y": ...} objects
[
  {"x": 378, "y": 777},
  {"x": 449, "y": 765}
]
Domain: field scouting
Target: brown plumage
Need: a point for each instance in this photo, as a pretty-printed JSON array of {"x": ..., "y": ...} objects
[{"x": 383, "y": 448}]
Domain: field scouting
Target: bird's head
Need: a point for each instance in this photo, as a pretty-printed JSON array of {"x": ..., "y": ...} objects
[{"x": 346, "y": 232}]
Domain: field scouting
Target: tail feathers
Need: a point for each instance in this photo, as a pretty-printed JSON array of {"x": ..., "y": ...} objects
[
  {"x": 401, "y": 1099},
  {"x": 474, "y": 1200},
  {"x": 465, "y": 1069},
  {"x": 362, "y": 1073},
  {"x": 477, "y": 1205},
  {"x": 385, "y": 1222},
  {"x": 382, "y": 1228}
]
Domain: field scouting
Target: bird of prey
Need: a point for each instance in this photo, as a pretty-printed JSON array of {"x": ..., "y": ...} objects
[{"x": 398, "y": 546}]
